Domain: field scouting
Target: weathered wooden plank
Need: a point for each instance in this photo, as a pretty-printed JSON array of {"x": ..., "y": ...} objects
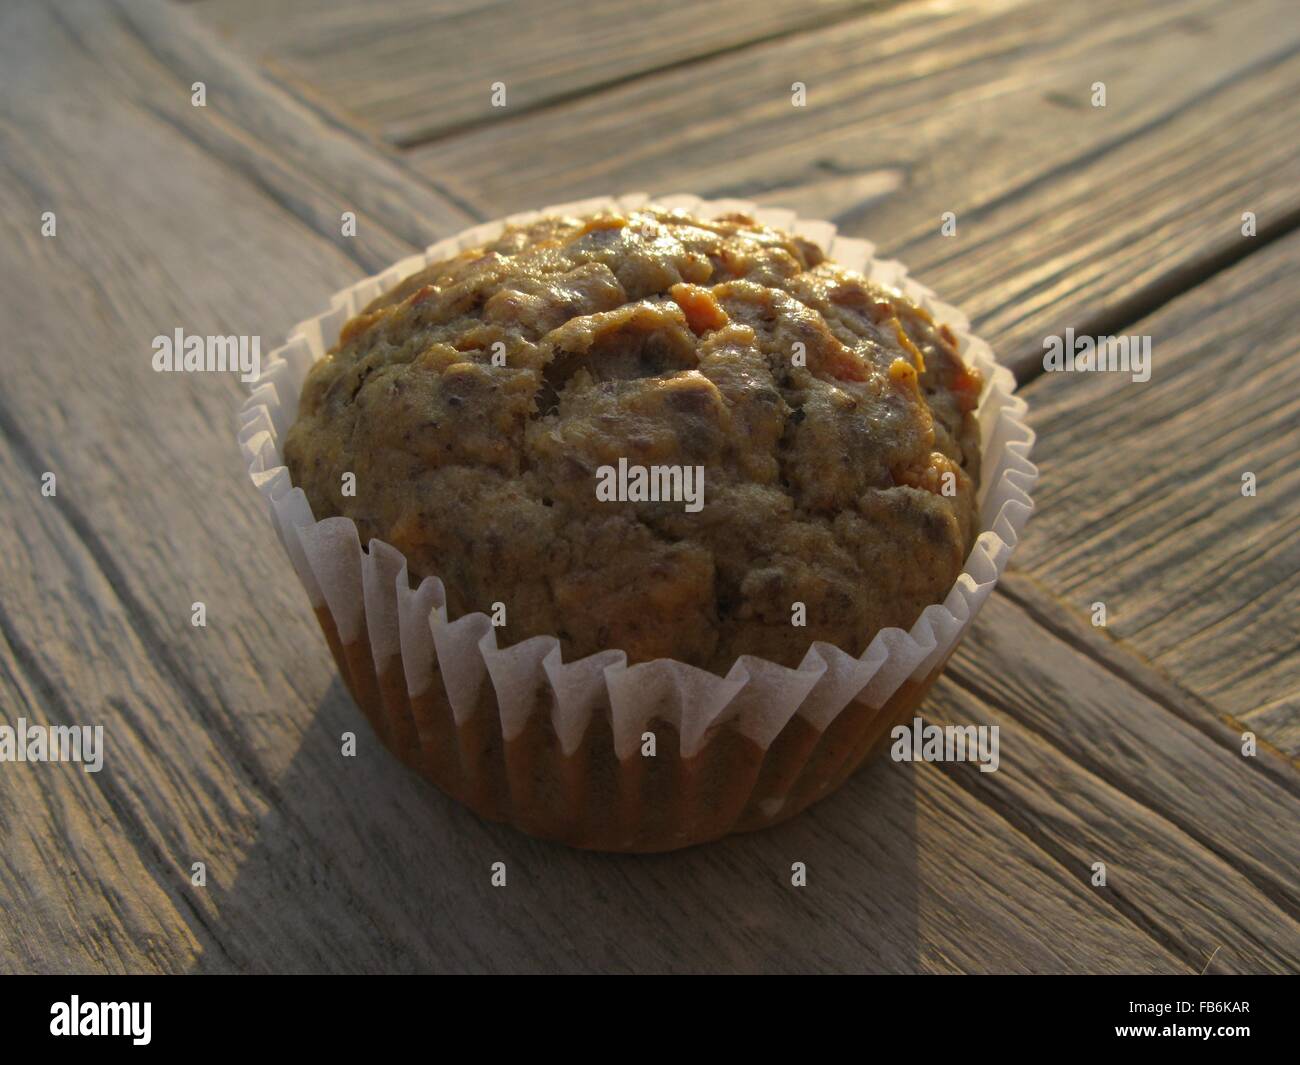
[
  {"x": 1066, "y": 214},
  {"x": 880, "y": 854},
  {"x": 1195, "y": 781},
  {"x": 1201, "y": 579},
  {"x": 309, "y": 165},
  {"x": 1277, "y": 722},
  {"x": 69, "y": 887},
  {"x": 1126, "y": 662},
  {"x": 107, "y": 863},
  {"x": 1124, "y": 782},
  {"x": 147, "y": 244},
  {"x": 415, "y": 71},
  {"x": 226, "y": 738},
  {"x": 883, "y": 894}
]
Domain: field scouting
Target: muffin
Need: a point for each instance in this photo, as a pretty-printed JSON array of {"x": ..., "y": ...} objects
[
  {"x": 692, "y": 460},
  {"x": 821, "y": 412}
]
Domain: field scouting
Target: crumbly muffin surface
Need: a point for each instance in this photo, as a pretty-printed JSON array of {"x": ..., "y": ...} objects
[{"x": 480, "y": 402}]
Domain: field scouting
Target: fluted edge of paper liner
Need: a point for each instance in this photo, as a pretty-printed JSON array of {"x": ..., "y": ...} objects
[{"x": 367, "y": 594}]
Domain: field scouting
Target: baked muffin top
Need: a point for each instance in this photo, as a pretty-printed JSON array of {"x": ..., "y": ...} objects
[{"x": 496, "y": 408}]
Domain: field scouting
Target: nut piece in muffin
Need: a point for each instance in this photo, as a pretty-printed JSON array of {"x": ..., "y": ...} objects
[{"x": 481, "y": 402}]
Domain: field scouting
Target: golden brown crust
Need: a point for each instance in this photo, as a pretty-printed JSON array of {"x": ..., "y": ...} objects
[{"x": 476, "y": 401}]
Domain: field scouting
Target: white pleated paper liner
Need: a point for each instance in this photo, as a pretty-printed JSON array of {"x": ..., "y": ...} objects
[{"x": 762, "y": 696}]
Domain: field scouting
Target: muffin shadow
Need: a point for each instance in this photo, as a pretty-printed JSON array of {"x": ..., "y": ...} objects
[{"x": 363, "y": 867}]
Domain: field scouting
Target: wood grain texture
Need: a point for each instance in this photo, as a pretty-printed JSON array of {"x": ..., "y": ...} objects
[
  {"x": 1199, "y": 578},
  {"x": 415, "y": 71},
  {"x": 313, "y": 169},
  {"x": 1095, "y": 769},
  {"x": 224, "y": 740},
  {"x": 1127, "y": 662},
  {"x": 1066, "y": 214}
]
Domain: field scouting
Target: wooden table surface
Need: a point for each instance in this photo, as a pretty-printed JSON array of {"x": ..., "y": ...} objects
[{"x": 1120, "y": 744}]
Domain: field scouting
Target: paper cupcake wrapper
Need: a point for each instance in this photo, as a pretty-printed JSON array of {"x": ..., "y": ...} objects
[{"x": 367, "y": 593}]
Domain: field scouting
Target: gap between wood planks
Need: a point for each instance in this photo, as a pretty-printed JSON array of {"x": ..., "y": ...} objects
[
  {"x": 1181, "y": 281},
  {"x": 325, "y": 109},
  {"x": 1124, "y": 661},
  {"x": 1150, "y": 299},
  {"x": 380, "y": 183},
  {"x": 137, "y": 614},
  {"x": 427, "y": 139},
  {"x": 201, "y": 814},
  {"x": 1094, "y": 767},
  {"x": 1148, "y": 856},
  {"x": 1142, "y": 303},
  {"x": 1165, "y": 290},
  {"x": 229, "y": 147},
  {"x": 177, "y": 676},
  {"x": 1171, "y": 286},
  {"x": 141, "y": 841},
  {"x": 149, "y": 840},
  {"x": 1184, "y": 278},
  {"x": 1049, "y": 845},
  {"x": 100, "y": 555}
]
